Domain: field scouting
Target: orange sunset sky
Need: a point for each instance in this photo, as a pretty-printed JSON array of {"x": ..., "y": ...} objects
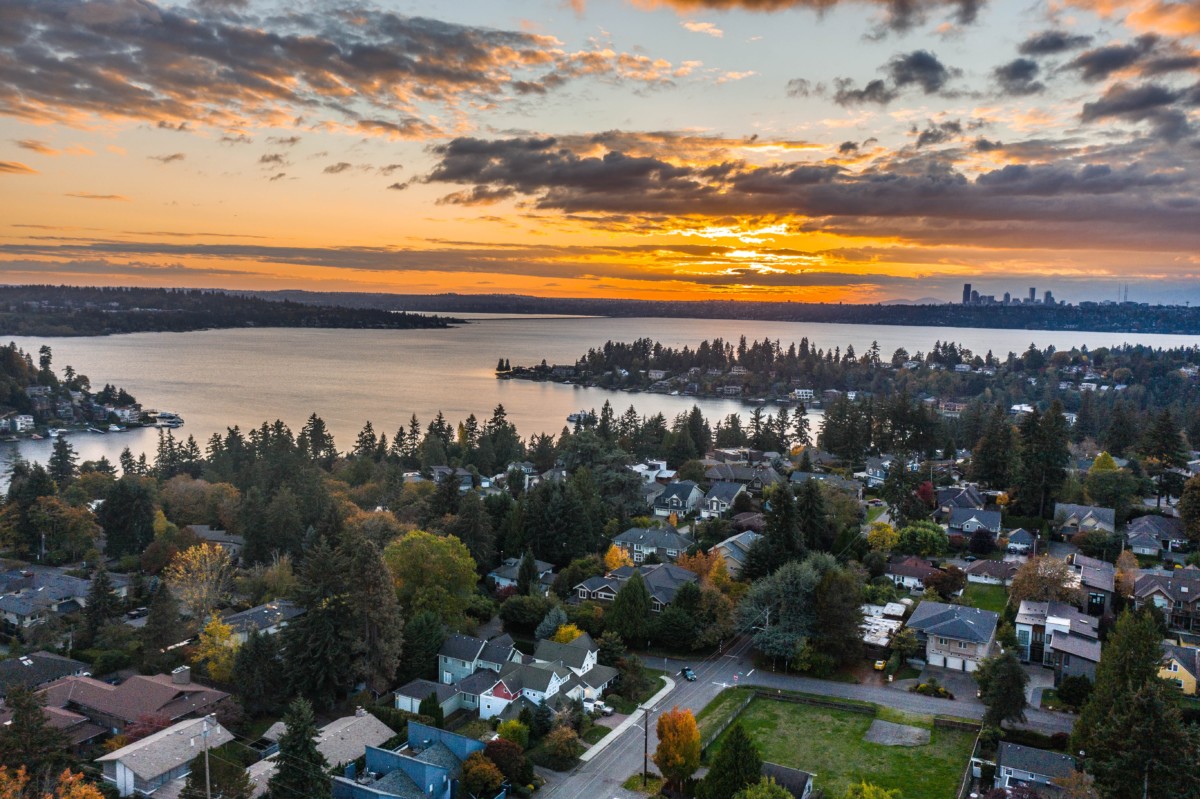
[{"x": 812, "y": 150}]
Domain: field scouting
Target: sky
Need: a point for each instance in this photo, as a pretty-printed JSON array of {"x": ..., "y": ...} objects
[{"x": 804, "y": 150}]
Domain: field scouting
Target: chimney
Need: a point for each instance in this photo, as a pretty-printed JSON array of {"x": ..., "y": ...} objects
[
  {"x": 182, "y": 675},
  {"x": 359, "y": 712}
]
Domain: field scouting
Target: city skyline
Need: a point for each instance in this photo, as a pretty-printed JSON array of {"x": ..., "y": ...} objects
[{"x": 807, "y": 150}]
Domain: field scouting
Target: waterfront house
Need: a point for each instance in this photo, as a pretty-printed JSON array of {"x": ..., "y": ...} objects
[
  {"x": 663, "y": 541},
  {"x": 720, "y": 498},
  {"x": 148, "y": 765},
  {"x": 955, "y": 637},
  {"x": 679, "y": 498}
]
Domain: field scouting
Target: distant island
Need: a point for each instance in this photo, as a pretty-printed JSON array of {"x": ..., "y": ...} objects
[
  {"x": 95, "y": 311},
  {"x": 1124, "y": 317}
]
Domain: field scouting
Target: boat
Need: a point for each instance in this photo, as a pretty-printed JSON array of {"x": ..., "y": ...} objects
[
  {"x": 116, "y": 428},
  {"x": 55, "y": 432},
  {"x": 95, "y": 430},
  {"x": 168, "y": 419}
]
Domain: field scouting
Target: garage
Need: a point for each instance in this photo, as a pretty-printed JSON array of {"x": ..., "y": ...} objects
[
  {"x": 937, "y": 660},
  {"x": 955, "y": 664},
  {"x": 972, "y": 665}
]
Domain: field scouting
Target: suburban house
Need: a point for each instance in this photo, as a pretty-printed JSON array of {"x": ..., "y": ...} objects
[
  {"x": 1025, "y": 766},
  {"x": 652, "y": 471},
  {"x": 1097, "y": 582},
  {"x": 1154, "y": 535},
  {"x": 173, "y": 696},
  {"x": 341, "y": 741},
  {"x": 991, "y": 572},
  {"x": 1181, "y": 665},
  {"x": 735, "y": 549},
  {"x": 665, "y": 541},
  {"x": 1072, "y": 519},
  {"x": 719, "y": 499},
  {"x": 1022, "y": 542},
  {"x": 233, "y": 544},
  {"x": 428, "y": 766},
  {"x": 145, "y": 766},
  {"x": 679, "y": 498},
  {"x": 408, "y": 697},
  {"x": 266, "y": 619},
  {"x": 1059, "y": 636},
  {"x": 852, "y": 487},
  {"x": 955, "y": 637},
  {"x": 463, "y": 655},
  {"x": 33, "y": 595},
  {"x": 662, "y": 581},
  {"x": 1175, "y": 593},
  {"x": 754, "y": 478},
  {"x": 910, "y": 572},
  {"x": 967, "y": 521},
  {"x": 876, "y": 470},
  {"x": 505, "y": 575},
  {"x": 567, "y": 670},
  {"x": 798, "y": 783},
  {"x": 957, "y": 497},
  {"x": 37, "y": 669}
]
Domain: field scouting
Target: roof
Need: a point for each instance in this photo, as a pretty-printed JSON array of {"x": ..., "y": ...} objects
[
  {"x": 1034, "y": 761},
  {"x": 912, "y": 566},
  {"x": 1095, "y": 573},
  {"x": 960, "y": 497},
  {"x": 736, "y": 547},
  {"x": 421, "y": 689},
  {"x": 263, "y": 617},
  {"x": 681, "y": 490},
  {"x": 511, "y": 567},
  {"x": 573, "y": 655},
  {"x": 599, "y": 676},
  {"x": 664, "y": 537},
  {"x": 140, "y": 695},
  {"x": 1183, "y": 585},
  {"x": 1021, "y": 536},
  {"x": 954, "y": 621},
  {"x": 1036, "y": 613},
  {"x": 796, "y": 782},
  {"x": 1065, "y": 511},
  {"x": 999, "y": 569},
  {"x": 663, "y": 580},
  {"x": 534, "y": 676},
  {"x": 36, "y": 669},
  {"x": 724, "y": 492},
  {"x": 462, "y": 647},
  {"x": 168, "y": 749},
  {"x": 344, "y": 739},
  {"x": 1077, "y": 645},
  {"x": 1169, "y": 528},
  {"x": 988, "y": 518},
  {"x": 851, "y": 486},
  {"x": 498, "y": 649},
  {"x": 1187, "y": 657},
  {"x": 742, "y": 473}
]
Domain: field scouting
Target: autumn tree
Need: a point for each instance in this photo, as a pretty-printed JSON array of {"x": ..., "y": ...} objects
[
  {"x": 869, "y": 790},
  {"x": 566, "y": 634},
  {"x": 434, "y": 573},
  {"x": 28, "y": 740},
  {"x": 200, "y": 577},
  {"x": 616, "y": 557},
  {"x": 678, "y": 752},
  {"x": 882, "y": 537},
  {"x": 1127, "y": 573},
  {"x": 1043, "y": 579},
  {"x": 215, "y": 650},
  {"x": 765, "y": 788},
  {"x": 480, "y": 776}
]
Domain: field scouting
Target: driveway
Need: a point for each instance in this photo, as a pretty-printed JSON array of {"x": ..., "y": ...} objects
[{"x": 960, "y": 683}]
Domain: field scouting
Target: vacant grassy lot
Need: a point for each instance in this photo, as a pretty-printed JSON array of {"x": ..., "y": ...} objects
[
  {"x": 985, "y": 597},
  {"x": 829, "y": 743}
]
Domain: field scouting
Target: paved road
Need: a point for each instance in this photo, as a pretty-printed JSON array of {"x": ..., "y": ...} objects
[{"x": 601, "y": 777}]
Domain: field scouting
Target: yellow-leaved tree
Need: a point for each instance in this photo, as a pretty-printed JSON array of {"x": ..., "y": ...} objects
[
  {"x": 216, "y": 649},
  {"x": 566, "y": 634},
  {"x": 678, "y": 752},
  {"x": 200, "y": 578},
  {"x": 616, "y": 557},
  {"x": 882, "y": 537}
]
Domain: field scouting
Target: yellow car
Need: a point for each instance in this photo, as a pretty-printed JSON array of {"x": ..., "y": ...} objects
[{"x": 880, "y": 665}]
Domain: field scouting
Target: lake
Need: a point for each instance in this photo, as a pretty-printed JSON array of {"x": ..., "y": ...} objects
[{"x": 218, "y": 378}]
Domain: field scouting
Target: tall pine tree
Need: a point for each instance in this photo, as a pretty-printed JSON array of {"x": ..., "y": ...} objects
[{"x": 303, "y": 770}]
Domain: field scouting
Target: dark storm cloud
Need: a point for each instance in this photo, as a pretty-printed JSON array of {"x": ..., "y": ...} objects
[
  {"x": 1052, "y": 42},
  {"x": 178, "y": 65},
  {"x": 938, "y": 133},
  {"x": 920, "y": 195},
  {"x": 847, "y": 147},
  {"x": 919, "y": 68},
  {"x": 1147, "y": 103},
  {"x": 899, "y": 15},
  {"x": 1098, "y": 64},
  {"x": 1018, "y": 77}
]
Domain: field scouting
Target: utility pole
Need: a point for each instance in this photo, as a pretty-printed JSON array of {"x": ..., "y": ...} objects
[
  {"x": 207, "y": 775},
  {"x": 645, "y": 745}
]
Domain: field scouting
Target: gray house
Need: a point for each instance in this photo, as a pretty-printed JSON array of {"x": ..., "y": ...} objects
[
  {"x": 680, "y": 498},
  {"x": 967, "y": 521},
  {"x": 719, "y": 499},
  {"x": 1024, "y": 766},
  {"x": 666, "y": 542},
  {"x": 463, "y": 655}
]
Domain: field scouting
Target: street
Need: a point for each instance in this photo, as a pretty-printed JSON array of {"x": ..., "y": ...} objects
[{"x": 602, "y": 776}]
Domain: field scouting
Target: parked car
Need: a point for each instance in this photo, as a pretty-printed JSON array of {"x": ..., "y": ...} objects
[
  {"x": 687, "y": 674},
  {"x": 970, "y": 558},
  {"x": 596, "y": 706}
]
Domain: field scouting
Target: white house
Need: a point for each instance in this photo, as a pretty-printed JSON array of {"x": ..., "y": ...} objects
[
  {"x": 145, "y": 766},
  {"x": 719, "y": 499},
  {"x": 23, "y": 423}
]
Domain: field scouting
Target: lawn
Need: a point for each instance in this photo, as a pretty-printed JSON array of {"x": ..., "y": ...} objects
[
  {"x": 985, "y": 597},
  {"x": 595, "y": 733},
  {"x": 829, "y": 743},
  {"x": 874, "y": 512}
]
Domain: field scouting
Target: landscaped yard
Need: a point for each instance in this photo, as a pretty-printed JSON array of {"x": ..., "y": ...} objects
[
  {"x": 985, "y": 597},
  {"x": 829, "y": 743}
]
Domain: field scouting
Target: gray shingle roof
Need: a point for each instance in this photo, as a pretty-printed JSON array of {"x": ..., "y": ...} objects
[
  {"x": 1034, "y": 761},
  {"x": 1164, "y": 528},
  {"x": 988, "y": 518},
  {"x": 954, "y": 621},
  {"x": 36, "y": 669},
  {"x": 462, "y": 647},
  {"x": 421, "y": 689},
  {"x": 1065, "y": 510},
  {"x": 264, "y": 616},
  {"x": 664, "y": 537},
  {"x": 724, "y": 492},
  {"x": 168, "y": 749}
]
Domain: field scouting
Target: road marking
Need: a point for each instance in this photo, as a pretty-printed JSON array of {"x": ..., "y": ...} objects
[{"x": 749, "y": 672}]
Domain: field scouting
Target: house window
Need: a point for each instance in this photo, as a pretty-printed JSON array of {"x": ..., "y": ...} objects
[
  {"x": 672, "y": 553},
  {"x": 638, "y": 556},
  {"x": 943, "y": 641},
  {"x": 1173, "y": 667}
]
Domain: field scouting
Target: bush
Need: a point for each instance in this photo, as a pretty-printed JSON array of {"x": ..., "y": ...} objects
[
  {"x": 1074, "y": 691},
  {"x": 111, "y": 660},
  {"x": 931, "y": 688}
]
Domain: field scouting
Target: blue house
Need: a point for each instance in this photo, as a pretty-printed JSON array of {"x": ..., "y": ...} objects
[{"x": 427, "y": 767}]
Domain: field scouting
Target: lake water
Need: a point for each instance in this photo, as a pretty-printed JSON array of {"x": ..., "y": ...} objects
[{"x": 219, "y": 378}]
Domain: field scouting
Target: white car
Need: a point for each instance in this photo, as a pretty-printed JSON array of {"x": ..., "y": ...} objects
[{"x": 597, "y": 706}]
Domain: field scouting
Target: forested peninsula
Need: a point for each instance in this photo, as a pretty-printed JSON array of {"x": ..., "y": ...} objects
[{"x": 101, "y": 311}]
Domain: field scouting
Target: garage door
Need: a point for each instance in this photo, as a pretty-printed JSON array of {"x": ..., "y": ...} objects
[
  {"x": 937, "y": 660},
  {"x": 954, "y": 664},
  {"x": 972, "y": 665}
]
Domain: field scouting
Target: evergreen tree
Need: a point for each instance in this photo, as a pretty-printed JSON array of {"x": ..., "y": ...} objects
[
  {"x": 256, "y": 667},
  {"x": 556, "y": 617},
  {"x": 473, "y": 526},
  {"x": 629, "y": 616},
  {"x": 127, "y": 517},
  {"x": 373, "y": 612},
  {"x": 303, "y": 769},
  {"x": 1189, "y": 509},
  {"x": 103, "y": 605},
  {"x": 816, "y": 532},
  {"x": 783, "y": 526},
  {"x": 62, "y": 462},
  {"x": 28, "y": 740},
  {"x": 318, "y": 645},
  {"x": 225, "y": 779},
  {"x": 736, "y": 765},
  {"x": 163, "y": 626},
  {"x": 423, "y": 637},
  {"x": 1042, "y": 459},
  {"x": 527, "y": 574},
  {"x": 991, "y": 461},
  {"x": 1122, "y": 432},
  {"x": 28, "y": 484},
  {"x": 1163, "y": 450},
  {"x": 1002, "y": 684}
]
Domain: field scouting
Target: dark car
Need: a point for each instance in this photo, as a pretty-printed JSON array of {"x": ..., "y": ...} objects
[
  {"x": 687, "y": 674},
  {"x": 970, "y": 558}
]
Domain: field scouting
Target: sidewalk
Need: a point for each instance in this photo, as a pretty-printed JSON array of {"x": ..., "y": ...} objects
[{"x": 620, "y": 729}]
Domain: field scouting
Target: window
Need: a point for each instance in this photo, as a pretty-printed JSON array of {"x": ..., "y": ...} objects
[
  {"x": 1174, "y": 667},
  {"x": 672, "y": 553},
  {"x": 943, "y": 641},
  {"x": 962, "y": 644}
]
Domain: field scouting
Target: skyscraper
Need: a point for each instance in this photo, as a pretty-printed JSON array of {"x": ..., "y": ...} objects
[
  {"x": 966, "y": 294},
  {"x": 1032, "y": 295}
]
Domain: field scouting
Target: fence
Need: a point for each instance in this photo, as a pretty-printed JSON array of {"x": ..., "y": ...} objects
[{"x": 715, "y": 733}]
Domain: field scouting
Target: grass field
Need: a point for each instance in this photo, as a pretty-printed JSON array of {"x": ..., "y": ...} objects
[
  {"x": 829, "y": 743},
  {"x": 985, "y": 597}
]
